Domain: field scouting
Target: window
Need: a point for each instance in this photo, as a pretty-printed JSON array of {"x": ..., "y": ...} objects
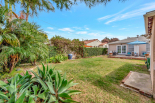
[
  {"x": 147, "y": 47},
  {"x": 121, "y": 49},
  {"x": 130, "y": 48}
]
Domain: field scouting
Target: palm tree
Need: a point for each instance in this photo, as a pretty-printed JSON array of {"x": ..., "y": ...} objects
[
  {"x": 31, "y": 7},
  {"x": 24, "y": 40}
]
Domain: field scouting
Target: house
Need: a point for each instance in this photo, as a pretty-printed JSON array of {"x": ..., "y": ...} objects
[
  {"x": 149, "y": 19},
  {"x": 103, "y": 45},
  {"x": 122, "y": 46},
  {"x": 95, "y": 43}
]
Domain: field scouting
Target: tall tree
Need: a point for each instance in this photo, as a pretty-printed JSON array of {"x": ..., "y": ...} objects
[
  {"x": 114, "y": 39},
  {"x": 31, "y": 7},
  {"x": 24, "y": 41}
]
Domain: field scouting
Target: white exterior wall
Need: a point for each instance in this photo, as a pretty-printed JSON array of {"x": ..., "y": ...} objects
[
  {"x": 94, "y": 43},
  {"x": 104, "y": 46}
]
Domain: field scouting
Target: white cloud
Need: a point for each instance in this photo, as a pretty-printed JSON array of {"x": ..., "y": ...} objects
[
  {"x": 50, "y": 33},
  {"x": 109, "y": 16},
  {"x": 79, "y": 28},
  {"x": 114, "y": 26},
  {"x": 81, "y": 32},
  {"x": 123, "y": 29},
  {"x": 93, "y": 34},
  {"x": 121, "y": 16},
  {"x": 87, "y": 28},
  {"x": 66, "y": 29},
  {"x": 50, "y": 28},
  {"x": 101, "y": 35}
]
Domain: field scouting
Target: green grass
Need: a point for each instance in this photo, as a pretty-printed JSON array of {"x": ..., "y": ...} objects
[
  {"x": 9, "y": 75},
  {"x": 99, "y": 79}
]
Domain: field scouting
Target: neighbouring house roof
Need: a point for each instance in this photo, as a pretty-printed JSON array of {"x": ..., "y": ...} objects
[
  {"x": 102, "y": 44},
  {"x": 131, "y": 39},
  {"x": 148, "y": 18},
  {"x": 89, "y": 41},
  {"x": 87, "y": 46}
]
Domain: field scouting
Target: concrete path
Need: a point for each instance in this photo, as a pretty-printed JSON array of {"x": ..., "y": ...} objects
[{"x": 139, "y": 82}]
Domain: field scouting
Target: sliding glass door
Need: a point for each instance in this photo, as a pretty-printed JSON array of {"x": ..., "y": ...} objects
[
  {"x": 118, "y": 49},
  {"x": 121, "y": 49},
  {"x": 124, "y": 49}
]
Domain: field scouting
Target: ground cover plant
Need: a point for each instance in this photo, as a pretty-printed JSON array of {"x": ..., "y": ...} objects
[
  {"x": 57, "y": 58},
  {"x": 47, "y": 86}
]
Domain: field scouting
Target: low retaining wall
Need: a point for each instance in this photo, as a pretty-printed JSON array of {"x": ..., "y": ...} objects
[{"x": 135, "y": 58}]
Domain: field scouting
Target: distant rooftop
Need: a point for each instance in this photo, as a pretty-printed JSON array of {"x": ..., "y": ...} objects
[
  {"x": 89, "y": 41},
  {"x": 131, "y": 39},
  {"x": 150, "y": 13},
  {"x": 103, "y": 44}
]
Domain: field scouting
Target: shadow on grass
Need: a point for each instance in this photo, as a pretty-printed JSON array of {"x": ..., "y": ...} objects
[{"x": 111, "y": 82}]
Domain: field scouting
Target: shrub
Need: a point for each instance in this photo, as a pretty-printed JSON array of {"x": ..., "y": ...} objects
[
  {"x": 94, "y": 51},
  {"x": 47, "y": 86},
  {"x": 63, "y": 45},
  {"x": 52, "y": 51},
  {"x": 78, "y": 56},
  {"x": 57, "y": 59}
]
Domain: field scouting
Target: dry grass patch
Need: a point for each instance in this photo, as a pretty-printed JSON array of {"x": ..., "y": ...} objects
[{"x": 99, "y": 79}]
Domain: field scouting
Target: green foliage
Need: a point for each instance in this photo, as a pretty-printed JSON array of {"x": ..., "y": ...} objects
[
  {"x": 57, "y": 59},
  {"x": 47, "y": 86},
  {"x": 52, "y": 51},
  {"x": 94, "y": 51},
  {"x": 15, "y": 89},
  {"x": 20, "y": 40},
  {"x": 4, "y": 75},
  {"x": 63, "y": 45},
  {"x": 78, "y": 56},
  {"x": 148, "y": 63}
]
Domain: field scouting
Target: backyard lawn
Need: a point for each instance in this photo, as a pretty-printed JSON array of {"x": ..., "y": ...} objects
[{"x": 99, "y": 79}]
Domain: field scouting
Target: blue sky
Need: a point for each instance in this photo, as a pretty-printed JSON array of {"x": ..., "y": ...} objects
[{"x": 116, "y": 19}]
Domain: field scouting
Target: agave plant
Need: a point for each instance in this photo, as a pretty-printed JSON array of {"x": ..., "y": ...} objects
[
  {"x": 47, "y": 86},
  {"x": 54, "y": 87},
  {"x": 15, "y": 90}
]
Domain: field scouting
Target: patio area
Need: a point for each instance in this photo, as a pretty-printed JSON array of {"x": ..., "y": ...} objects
[
  {"x": 138, "y": 82},
  {"x": 128, "y": 57}
]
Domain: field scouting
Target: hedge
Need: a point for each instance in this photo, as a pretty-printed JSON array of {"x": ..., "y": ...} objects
[
  {"x": 87, "y": 52},
  {"x": 94, "y": 51},
  {"x": 52, "y": 51}
]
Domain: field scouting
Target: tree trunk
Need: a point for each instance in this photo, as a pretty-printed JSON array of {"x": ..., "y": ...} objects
[
  {"x": 13, "y": 61},
  {"x": 16, "y": 60},
  {"x": 5, "y": 67},
  {"x": 6, "y": 4},
  {"x": 34, "y": 62},
  {"x": 27, "y": 14},
  {"x": 10, "y": 10}
]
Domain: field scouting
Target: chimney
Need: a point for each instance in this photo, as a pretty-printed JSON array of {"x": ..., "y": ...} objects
[{"x": 137, "y": 36}]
